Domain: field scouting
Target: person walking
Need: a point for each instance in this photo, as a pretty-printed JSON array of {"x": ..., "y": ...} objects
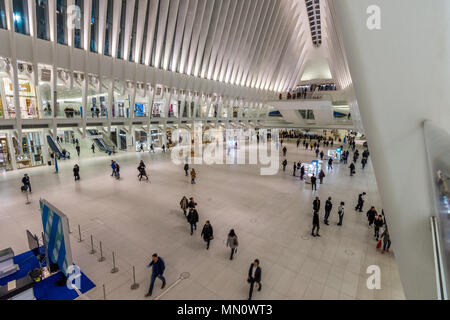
[
  {"x": 207, "y": 233},
  {"x": 328, "y": 207},
  {"x": 78, "y": 150},
  {"x": 316, "y": 224},
  {"x": 313, "y": 182},
  {"x": 341, "y": 213},
  {"x": 117, "y": 171},
  {"x": 184, "y": 205},
  {"x": 284, "y": 151},
  {"x": 142, "y": 172},
  {"x": 295, "y": 169},
  {"x": 322, "y": 155},
  {"x": 371, "y": 216},
  {"x": 192, "y": 204},
  {"x": 317, "y": 152},
  {"x": 164, "y": 148},
  {"x": 386, "y": 240},
  {"x": 232, "y": 242},
  {"x": 76, "y": 172},
  {"x": 361, "y": 199},
  {"x": 93, "y": 148},
  {"x": 352, "y": 169},
  {"x": 192, "y": 218},
  {"x": 254, "y": 276},
  {"x": 157, "y": 272},
  {"x": 113, "y": 167},
  {"x": 321, "y": 176},
  {"x": 193, "y": 176},
  {"x": 141, "y": 148},
  {"x": 284, "y": 163},
  {"x": 302, "y": 173},
  {"x": 152, "y": 148},
  {"x": 364, "y": 163},
  {"x": 186, "y": 169},
  {"x": 26, "y": 182},
  {"x": 316, "y": 204},
  {"x": 378, "y": 222},
  {"x": 330, "y": 164}
]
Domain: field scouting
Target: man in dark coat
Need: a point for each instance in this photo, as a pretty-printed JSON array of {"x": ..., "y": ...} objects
[
  {"x": 254, "y": 275},
  {"x": 316, "y": 224},
  {"x": 207, "y": 233},
  {"x": 157, "y": 272},
  {"x": 192, "y": 218},
  {"x": 328, "y": 207},
  {"x": 316, "y": 204}
]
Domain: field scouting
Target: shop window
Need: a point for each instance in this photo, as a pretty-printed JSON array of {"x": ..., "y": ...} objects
[
  {"x": 20, "y": 16},
  {"x": 27, "y": 99},
  {"x": 5, "y": 157},
  {"x": 31, "y": 147},
  {"x": 42, "y": 19}
]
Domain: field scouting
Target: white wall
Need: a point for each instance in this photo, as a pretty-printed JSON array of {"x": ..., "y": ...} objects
[{"x": 401, "y": 77}]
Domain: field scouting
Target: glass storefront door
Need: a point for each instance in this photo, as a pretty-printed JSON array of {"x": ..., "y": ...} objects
[
  {"x": 31, "y": 151},
  {"x": 5, "y": 158}
]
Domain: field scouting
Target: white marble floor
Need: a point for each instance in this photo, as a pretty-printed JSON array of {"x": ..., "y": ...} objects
[{"x": 272, "y": 216}]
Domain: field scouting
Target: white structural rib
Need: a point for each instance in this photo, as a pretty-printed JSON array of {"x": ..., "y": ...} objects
[
  {"x": 162, "y": 20},
  {"x": 182, "y": 15},
  {"x": 153, "y": 12},
  {"x": 193, "y": 4},
  {"x": 173, "y": 12},
  {"x": 142, "y": 13},
  {"x": 128, "y": 28},
  {"x": 203, "y": 34},
  {"x": 195, "y": 35}
]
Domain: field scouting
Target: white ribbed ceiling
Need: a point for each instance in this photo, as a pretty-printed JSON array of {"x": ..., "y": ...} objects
[{"x": 253, "y": 43}]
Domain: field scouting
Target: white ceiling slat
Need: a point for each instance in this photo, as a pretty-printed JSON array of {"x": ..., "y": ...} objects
[
  {"x": 128, "y": 28},
  {"x": 162, "y": 16},
  {"x": 151, "y": 27},
  {"x": 142, "y": 13},
  {"x": 195, "y": 35},
  {"x": 193, "y": 5},
  {"x": 181, "y": 22},
  {"x": 211, "y": 4},
  {"x": 173, "y": 12}
]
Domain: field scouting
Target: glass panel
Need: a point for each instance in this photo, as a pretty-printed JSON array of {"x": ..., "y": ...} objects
[
  {"x": 94, "y": 25},
  {"x": 61, "y": 12},
  {"x": 42, "y": 19},
  {"x": 133, "y": 32},
  {"x": 20, "y": 16},
  {"x": 109, "y": 25},
  {"x": 78, "y": 39},
  {"x": 121, "y": 29},
  {"x": 2, "y": 15}
]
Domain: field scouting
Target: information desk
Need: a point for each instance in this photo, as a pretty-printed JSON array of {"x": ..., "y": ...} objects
[{"x": 20, "y": 289}]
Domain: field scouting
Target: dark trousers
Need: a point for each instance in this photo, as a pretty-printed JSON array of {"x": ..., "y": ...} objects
[
  {"x": 386, "y": 245},
  {"x": 359, "y": 206},
  {"x": 317, "y": 228},
  {"x": 341, "y": 217},
  {"x": 252, "y": 284},
  {"x": 327, "y": 215},
  {"x": 233, "y": 250},
  {"x": 27, "y": 186},
  {"x": 313, "y": 186},
  {"x": 152, "y": 282},
  {"x": 208, "y": 241},
  {"x": 377, "y": 232},
  {"x": 187, "y": 173},
  {"x": 77, "y": 177},
  {"x": 193, "y": 226}
]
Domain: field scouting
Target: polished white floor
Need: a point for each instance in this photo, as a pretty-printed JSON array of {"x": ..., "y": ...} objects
[{"x": 272, "y": 216}]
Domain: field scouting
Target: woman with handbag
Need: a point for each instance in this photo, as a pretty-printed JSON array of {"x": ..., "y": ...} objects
[
  {"x": 207, "y": 233},
  {"x": 232, "y": 242}
]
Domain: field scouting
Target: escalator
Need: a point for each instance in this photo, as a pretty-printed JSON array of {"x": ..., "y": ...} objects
[
  {"x": 104, "y": 146},
  {"x": 56, "y": 148}
]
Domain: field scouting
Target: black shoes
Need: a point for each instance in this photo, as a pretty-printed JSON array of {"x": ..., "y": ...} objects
[
  {"x": 148, "y": 295},
  {"x": 163, "y": 286}
]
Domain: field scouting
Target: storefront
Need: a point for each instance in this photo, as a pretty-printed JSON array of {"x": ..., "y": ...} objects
[
  {"x": 27, "y": 99},
  {"x": 31, "y": 150},
  {"x": 158, "y": 108},
  {"x": 141, "y": 140},
  {"x": 5, "y": 157}
]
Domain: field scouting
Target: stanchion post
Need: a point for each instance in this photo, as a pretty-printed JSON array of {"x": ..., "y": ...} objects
[
  {"x": 92, "y": 245},
  {"x": 102, "y": 258},
  {"x": 114, "y": 269},
  {"x": 104, "y": 292},
  {"x": 135, "y": 285},
  {"x": 79, "y": 234}
]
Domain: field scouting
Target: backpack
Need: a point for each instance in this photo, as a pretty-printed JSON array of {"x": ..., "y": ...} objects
[{"x": 235, "y": 242}]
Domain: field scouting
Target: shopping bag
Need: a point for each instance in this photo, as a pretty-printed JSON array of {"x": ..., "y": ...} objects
[{"x": 379, "y": 244}]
